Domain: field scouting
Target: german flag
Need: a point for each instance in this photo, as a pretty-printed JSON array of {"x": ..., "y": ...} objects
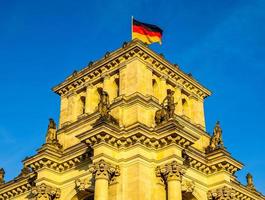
[{"x": 147, "y": 33}]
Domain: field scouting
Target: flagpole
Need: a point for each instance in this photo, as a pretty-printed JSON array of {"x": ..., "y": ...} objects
[{"x": 132, "y": 27}]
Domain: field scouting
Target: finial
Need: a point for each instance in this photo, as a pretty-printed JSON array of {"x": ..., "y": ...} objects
[
  {"x": 90, "y": 64},
  {"x": 176, "y": 65},
  {"x": 107, "y": 54},
  {"x": 250, "y": 183},
  {"x": 2, "y": 176},
  {"x": 74, "y": 73},
  {"x": 124, "y": 44}
]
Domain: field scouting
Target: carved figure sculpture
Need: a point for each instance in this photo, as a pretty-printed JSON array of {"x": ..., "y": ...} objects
[
  {"x": 103, "y": 105},
  {"x": 250, "y": 183},
  {"x": 2, "y": 176},
  {"x": 216, "y": 140},
  {"x": 161, "y": 115},
  {"x": 51, "y": 132},
  {"x": 168, "y": 108},
  {"x": 168, "y": 102}
]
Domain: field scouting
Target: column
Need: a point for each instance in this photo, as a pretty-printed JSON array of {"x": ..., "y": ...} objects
[
  {"x": 200, "y": 105},
  {"x": 178, "y": 100},
  {"x": 108, "y": 86},
  {"x": 162, "y": 88},
  {"x": 72, "y": 107},
  {"x": 173, "y": 173},
  {"x": 160, "y": 188},
  {"x": 174, "y": 188},
  {"x": 89, "y": 107},
  {"x": 174, "y": 177},
  {"x": 104, "y": 173},
  {"x": 63, "y": 110},
  {"x": 194, "y": 109}
]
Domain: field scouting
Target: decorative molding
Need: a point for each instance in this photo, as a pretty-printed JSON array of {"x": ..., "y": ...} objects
[
  {"x": 83, "y": 185},
  {"x": 59, "y": 166},
  {"x": 13, "y": 192},
  {"x": 224, "y": 193},
  {"x": 104, "y": 170},
  {"x": 187, "y": 186},
  {"x": 170, "y": 171},
  {"x": 134, "y": 49},
  {"x": 44, "y": 191}
]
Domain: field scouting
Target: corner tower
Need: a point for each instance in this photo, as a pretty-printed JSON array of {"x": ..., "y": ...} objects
[{"x": 131, "y": 127}]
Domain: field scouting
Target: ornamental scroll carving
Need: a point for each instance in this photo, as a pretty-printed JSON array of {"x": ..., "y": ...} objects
[
  {"x": 224, "y": 193},
  {"x": 170, "y": 171},
  {"x": 104, "y": 170},
  {"x": 45, "y": 192},
  {"x": 83, "y": 185}
]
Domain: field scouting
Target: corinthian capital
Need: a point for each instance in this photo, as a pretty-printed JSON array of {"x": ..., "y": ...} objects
[
  {"x": 104, "y": 170},
  {"x": 44, "y": 191},
  {"x": 170, "y": 171}
]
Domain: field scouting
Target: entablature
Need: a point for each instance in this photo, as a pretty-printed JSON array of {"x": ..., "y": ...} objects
[
  {"x": 243, "y": 193},
  {"x": 166, "y": 134},
  {"x": 14, "y": 188},
  {"x": 72, "y": 157},
  {"x": 111, "y": 64}
]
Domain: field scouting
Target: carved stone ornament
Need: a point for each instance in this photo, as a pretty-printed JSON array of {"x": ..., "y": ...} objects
[
  {"x": 224, "y": 193},
  {"x": 104, "y": 108},
  {"x": 82, "y": 185},
  {"x": 51, "y": 135},
  {"x": 187, "y": 186},
  {"x": 103, "y": 170},
  {"x": 170, "y": 171},
  {"x": 43, "y": 191},
  {"x": 25, "y": 171},
  {"x": 250, "y": 183},
  {"x": 2, "y": 176},
  {"x": 167, "y": 110},
  {"x": 216, "y": 141}
]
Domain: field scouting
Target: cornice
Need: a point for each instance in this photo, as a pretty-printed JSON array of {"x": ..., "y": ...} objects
[
  {"x": 14, "y": 188},
  {"x": 242, "y": 192},
  {"x": 69, "y": 159},
  {"x": 113, "y": 63},
  {"x": 171, "y": 132}
]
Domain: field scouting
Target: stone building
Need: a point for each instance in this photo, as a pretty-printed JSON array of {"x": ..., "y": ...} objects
[{"x": 131, "y": 127}]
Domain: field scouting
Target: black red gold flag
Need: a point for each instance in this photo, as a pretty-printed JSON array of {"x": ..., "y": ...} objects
[{"x": 147, "y": 33}]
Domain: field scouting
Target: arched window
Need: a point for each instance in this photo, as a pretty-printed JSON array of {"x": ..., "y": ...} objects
[
  {"x": 83, "y": 104},
  {"x": 185, "y": 108},
  {"x": 117, "y": 88},
  {"x": 155, "y": 89}
]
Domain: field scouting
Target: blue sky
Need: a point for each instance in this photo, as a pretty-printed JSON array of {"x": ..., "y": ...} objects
[{"x": 221, "y": 43}]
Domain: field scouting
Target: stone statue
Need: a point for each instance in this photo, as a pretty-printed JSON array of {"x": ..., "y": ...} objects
[
  {"x": 186, "y": 158},
  {"x": 216, "y": 140},
  {"x": 51, "y": 135},
  {"x": 169, "y": 104},
  {"x": 103, "y": 105},
  {"x": 168, "y": 108},
  {"x": 161, "y": 115},
  {"x": 2, "y": 176},
  {"x": 250, "y": 183}
]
